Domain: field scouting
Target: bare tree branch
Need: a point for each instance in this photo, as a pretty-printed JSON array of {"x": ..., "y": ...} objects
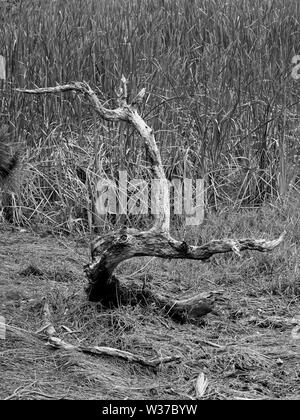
[
  {"x": 110, "y": 250},
  {"x": 129, "y": 114}
]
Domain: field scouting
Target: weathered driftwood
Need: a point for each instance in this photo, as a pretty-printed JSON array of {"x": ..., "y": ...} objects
[{"x": 110, "y": 250}]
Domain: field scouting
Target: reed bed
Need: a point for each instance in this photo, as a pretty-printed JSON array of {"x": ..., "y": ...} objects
[{"x": 220, "y": 97}]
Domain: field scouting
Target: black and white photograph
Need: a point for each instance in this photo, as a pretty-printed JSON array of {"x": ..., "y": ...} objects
[{"x": 149, "y": 203}]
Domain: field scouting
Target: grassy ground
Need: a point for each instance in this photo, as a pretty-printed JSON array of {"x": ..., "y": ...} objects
[
  {"x": 248, "y": 352},
  {"x": 224, "y": 107}
]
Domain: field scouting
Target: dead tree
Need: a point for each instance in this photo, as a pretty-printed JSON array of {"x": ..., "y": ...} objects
[{"x": 108, "y": 251}]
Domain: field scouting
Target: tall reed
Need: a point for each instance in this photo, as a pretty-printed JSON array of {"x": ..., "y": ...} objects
[{"x": 221, "y": 98}]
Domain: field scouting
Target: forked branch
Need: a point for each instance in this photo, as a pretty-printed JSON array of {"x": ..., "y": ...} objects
[{"x": 110, "y": 250}]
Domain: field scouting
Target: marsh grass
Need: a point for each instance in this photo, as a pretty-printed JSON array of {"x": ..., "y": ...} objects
[{"x": 220, "y": 98}]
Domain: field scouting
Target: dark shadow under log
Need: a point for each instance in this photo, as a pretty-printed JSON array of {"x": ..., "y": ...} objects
[
  {"x": 110, "y": 250},
  {"x": 128, "y": 291}
]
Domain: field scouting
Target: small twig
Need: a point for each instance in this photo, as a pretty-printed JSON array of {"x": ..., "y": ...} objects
[
  {"x": 209, "y": 343},
  {"x": 47, "y": 326},
  {"x": 49, "y": 396},
  {"x": 109, "y": 351}
]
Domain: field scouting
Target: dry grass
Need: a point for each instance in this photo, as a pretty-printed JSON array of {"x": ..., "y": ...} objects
[{"x": 246, "y": 353}]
